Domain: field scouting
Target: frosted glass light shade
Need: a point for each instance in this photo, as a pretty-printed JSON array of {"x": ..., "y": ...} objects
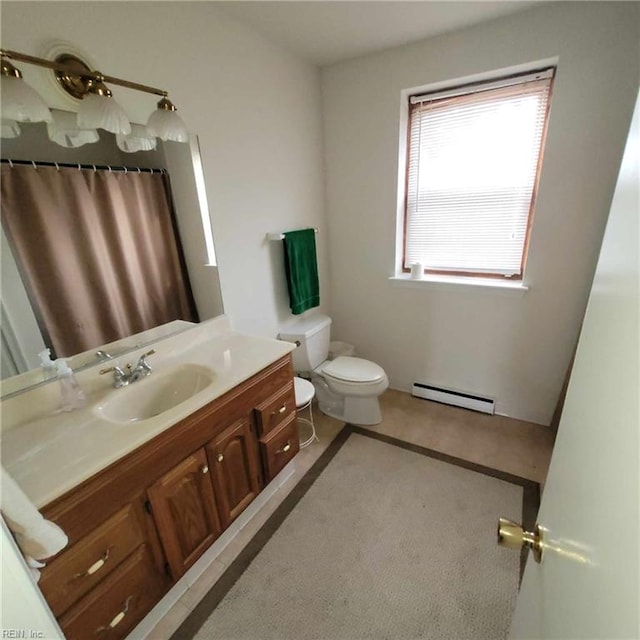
[
  {"x": 9, "y": 129},
  {"x": 167, "y": 125},
  {"x": 102, "y": 112},
  {"x": 64, "y": 130},
  {"x": 138, "y": 140},
  {"x": 22, "y": 103}
]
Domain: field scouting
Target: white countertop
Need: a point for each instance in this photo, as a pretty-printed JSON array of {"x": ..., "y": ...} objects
[{"x": 50, "y": 453}]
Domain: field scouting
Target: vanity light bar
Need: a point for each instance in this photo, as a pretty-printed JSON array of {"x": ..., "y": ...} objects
[
  {"x": 89, "y": 75},
  {"x": 97, "y": 108}
]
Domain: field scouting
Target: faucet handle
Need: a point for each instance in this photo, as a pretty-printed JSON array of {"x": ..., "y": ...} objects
[
  {"x": 142, "y": 361},
  {"x": 143, "y": 358},
  {"x": 116, "y": 370},
  {"x": 120, "y": 378}
]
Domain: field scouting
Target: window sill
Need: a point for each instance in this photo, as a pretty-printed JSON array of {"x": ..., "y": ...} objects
[{"x": 460, "y": 283}]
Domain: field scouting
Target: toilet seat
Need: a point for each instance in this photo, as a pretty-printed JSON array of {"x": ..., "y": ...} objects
[{"x": 355, "y": 370}]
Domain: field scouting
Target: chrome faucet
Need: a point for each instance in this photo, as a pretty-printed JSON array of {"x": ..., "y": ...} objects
[{"x": 130, "y": 374}]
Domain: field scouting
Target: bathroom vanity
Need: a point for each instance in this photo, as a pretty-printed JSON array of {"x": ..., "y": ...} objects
[{"x": 150, "y": 493}]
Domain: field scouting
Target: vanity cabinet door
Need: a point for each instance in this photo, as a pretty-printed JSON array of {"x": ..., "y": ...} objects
[
  {"x": 184, "y": 508},
  {"x": 233, "y": 457}
]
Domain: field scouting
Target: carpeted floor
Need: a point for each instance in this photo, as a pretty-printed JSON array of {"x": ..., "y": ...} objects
[{"x": 381, "y": 539}]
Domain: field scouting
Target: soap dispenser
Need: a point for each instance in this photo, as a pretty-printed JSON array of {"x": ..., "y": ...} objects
[
  {"x": 49, "y": 369},
  {"x": 72, "y": 395}
]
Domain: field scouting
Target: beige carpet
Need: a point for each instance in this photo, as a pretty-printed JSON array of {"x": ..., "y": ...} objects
[{"x": 382, "y": 542}]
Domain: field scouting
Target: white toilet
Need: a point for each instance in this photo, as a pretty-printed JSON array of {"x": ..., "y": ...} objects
[{"x": 347, "y": 388}]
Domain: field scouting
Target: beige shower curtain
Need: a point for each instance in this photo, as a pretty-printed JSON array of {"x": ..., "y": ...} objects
[{"x": 99, "y": 252}]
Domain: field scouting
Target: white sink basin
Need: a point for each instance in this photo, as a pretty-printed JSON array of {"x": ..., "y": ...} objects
[{"x": 154, "y": 394}]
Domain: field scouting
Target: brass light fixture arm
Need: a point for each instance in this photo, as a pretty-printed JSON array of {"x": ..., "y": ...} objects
[{"x": 92, "y": 75}]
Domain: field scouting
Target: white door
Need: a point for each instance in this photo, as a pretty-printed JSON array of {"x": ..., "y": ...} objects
[{"x": 587, "y": 583}]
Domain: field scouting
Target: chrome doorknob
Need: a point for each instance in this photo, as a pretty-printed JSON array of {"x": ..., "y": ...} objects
[{"x": 513, "y": 536}]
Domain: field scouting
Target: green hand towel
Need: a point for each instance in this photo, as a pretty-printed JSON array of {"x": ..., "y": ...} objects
[{"x": 301, "y": 267}]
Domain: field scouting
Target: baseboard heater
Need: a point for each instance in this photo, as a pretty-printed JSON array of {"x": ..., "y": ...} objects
[{"x": 456, "y": 398}]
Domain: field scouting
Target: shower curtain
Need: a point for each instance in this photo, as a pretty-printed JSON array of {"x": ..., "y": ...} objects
[{"x": 98, "y": 250}]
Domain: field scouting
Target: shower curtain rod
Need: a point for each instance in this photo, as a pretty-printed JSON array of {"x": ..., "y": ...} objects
[{"x": 77, "y": 165}]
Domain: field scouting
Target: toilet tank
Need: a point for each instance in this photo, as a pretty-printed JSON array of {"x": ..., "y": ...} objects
[{"x": 313, "y": 335}]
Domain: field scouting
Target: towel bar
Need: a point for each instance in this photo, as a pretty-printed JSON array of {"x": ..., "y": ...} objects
[{"x": 279, "y": 236}]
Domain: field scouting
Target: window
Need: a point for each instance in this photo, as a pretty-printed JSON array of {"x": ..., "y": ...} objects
[{"x": 473, "y": 164}]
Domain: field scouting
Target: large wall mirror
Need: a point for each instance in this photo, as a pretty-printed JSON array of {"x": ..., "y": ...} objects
[{"x": 23, "y": 330}]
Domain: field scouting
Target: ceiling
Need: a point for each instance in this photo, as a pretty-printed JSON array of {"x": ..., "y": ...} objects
[{"x": 325, "y": 32}]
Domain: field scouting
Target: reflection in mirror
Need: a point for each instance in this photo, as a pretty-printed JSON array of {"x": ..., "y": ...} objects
[{"x": 24, "y": 330}]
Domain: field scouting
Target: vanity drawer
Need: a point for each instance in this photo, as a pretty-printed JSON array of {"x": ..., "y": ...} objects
[
  {"x": 115, "y": 606},
  {"x": 84, "y": 565},
  {"x": 279, "y": 446},
  {"x": 276, "y": 409}
]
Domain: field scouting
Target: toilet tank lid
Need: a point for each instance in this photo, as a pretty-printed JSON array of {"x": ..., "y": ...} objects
[{"x": 304, "y": 327}]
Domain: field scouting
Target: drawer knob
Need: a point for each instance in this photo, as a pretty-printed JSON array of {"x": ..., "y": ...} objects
[
  {"x": 281, "y": 410},
  {"x": 117, "y": 620},
  {"x": 120, "y": 616},
  {"x": 220, "y": 457},
  {"x": 204, "y": 469},
  {"x": 97, "y": 565},
  {"x": 285, "y": 448}
]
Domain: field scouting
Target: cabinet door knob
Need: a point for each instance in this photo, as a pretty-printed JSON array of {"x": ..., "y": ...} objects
[
  {"x": 204, "y": 469},
  {"x": 220, "y": 457}
]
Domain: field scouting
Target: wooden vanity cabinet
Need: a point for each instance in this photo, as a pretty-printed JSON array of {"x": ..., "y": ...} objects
[
  {"x": 184, "y": 508},
  {"x": 138, "y": 525}
]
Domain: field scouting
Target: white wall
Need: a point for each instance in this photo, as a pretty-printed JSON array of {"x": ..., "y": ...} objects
[
  {"x": 255, "y": 108},
  {"x": 513, "y": 348}
]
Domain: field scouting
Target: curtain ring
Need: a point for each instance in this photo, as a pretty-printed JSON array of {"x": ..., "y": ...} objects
[
  {"x": 125, "y": 169},
  {"x": 57, "y": 166},
  {"x": 94, "y": 168},
  {"x": 33, "y": 162},
  {"x": 109, "y": 167},
  {"x": 11, "y": 163},
  {"x": 79, "y": 167}
]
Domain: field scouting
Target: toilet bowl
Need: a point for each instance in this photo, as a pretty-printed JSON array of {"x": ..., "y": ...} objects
[
  {"x": 356, "y": 384},
  {"x": 347, "y": 388}
]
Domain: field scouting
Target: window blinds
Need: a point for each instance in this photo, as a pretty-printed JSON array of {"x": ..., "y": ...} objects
[{"x": 472, "y": 170}]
